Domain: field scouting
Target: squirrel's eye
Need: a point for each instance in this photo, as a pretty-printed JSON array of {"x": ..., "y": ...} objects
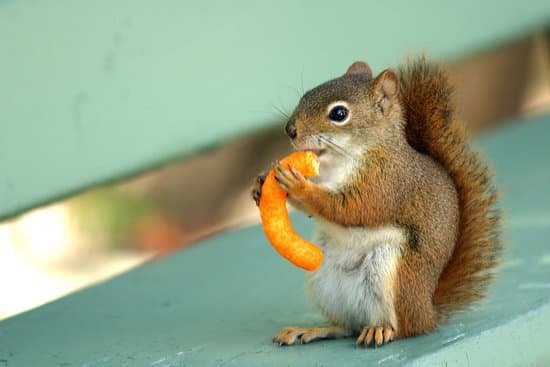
[{"x": 339, "y": 114}]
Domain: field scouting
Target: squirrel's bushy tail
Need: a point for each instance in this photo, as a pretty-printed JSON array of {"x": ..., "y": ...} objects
[{"x": 432, "y": 129}]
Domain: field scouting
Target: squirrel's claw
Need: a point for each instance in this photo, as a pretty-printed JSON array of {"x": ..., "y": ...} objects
[
  {"x": 256, "y": 191},
  {"x": 375, "y": 336},
  {"x": 289, "y": 179}
]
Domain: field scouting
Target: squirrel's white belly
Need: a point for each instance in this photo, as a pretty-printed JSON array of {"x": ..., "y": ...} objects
[{"x": 354, "y": 287}]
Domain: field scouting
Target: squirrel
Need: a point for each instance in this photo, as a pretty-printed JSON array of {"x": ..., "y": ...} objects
[{"x": 406, "y": 211}]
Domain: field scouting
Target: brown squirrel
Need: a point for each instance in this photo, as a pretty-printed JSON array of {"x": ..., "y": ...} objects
[{"x": 406, "y": 211}]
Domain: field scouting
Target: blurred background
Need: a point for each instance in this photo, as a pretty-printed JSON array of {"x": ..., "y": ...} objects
[{"x": 66, "y": 245}]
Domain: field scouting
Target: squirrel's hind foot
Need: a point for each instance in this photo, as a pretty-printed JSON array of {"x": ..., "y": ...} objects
[
  {"x": 293, "y": 335},
  {"x": 375, "y": 336}
]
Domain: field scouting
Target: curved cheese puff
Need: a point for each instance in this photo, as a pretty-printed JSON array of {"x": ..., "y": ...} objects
[{"x": 276, "y": 223}]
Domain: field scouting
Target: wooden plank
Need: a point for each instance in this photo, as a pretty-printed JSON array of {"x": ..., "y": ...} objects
[{"x": 219, "y": 302}]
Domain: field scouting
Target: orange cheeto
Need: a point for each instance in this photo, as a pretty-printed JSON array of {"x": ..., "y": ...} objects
[{"x": 276, "y": 223}]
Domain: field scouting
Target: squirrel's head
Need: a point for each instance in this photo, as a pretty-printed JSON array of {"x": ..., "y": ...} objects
[{"x": 349, "y": 114}]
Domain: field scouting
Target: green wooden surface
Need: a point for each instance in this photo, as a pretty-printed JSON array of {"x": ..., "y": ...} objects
[
  {"x": 93, "y": 90},
  {"x": 219, "y": 302}
]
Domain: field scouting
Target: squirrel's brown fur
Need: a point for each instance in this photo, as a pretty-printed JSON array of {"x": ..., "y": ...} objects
[
  {"x": 401, "y": 197},
  {"x": 433, "y": 129}
]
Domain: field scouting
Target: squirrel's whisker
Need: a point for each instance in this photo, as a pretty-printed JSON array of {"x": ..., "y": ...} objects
[
  {"x": 284, "y": 114},
  {"x": 336, "y": 147}
]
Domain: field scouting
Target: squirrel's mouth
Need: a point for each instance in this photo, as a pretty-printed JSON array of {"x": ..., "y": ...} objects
[{"x": 318, "y": 151}]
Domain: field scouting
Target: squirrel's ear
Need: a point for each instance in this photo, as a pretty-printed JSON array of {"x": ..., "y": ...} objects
[
  {"x": 386, "y": 85},
  {"x": 359, "y": 67}
]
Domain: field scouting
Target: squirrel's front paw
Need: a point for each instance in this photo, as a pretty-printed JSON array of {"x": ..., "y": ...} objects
[
  {"x": 256, "y": 189},
  {"x": 292, "y": 181}
]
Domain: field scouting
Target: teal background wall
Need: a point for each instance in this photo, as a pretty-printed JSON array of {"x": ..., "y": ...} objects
[{"x": 91, "y": 91}]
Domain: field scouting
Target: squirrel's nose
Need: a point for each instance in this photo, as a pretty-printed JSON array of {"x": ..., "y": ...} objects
[{"x": 290, "y": 129}]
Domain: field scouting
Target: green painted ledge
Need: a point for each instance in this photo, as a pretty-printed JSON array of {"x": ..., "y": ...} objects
[
  {"x": 92, "y": 91},
  {"x": 219, "y": 302}
]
